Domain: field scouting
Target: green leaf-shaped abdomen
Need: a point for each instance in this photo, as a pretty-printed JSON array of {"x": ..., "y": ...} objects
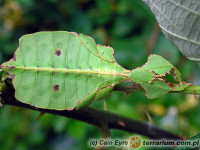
[{"x": 59, "y": 70}]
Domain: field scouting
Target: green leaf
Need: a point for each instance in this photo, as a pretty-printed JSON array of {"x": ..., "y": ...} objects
[
  {"x": 156, "y": 89},
  {"x": 158, "y": 77},
  {"x": 180, "y": 22},
  {"x": 62, "y": 70}
]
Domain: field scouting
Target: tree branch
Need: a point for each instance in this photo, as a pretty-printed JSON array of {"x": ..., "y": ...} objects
[
  {"x": 128, "y": 86},
  {"x": 94, "y": 117}
]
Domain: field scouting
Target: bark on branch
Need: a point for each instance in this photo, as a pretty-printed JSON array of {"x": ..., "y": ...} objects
[{"x": 95, "y": 117}]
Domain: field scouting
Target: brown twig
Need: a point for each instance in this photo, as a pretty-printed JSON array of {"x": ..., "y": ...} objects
[{"x": 96, "y": 117}]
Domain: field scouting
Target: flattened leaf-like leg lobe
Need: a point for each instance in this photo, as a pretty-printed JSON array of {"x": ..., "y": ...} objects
[
  {"x": 155, "y": 89},
  {"x": 181, "y": 86},
  {"x": 87, "y": 100},
  {"x": 89, "y": 43},
  {"x": 106, "y": 52},
  {"x": 104, "y": 93},
  {"x": 107, "y": 80}
]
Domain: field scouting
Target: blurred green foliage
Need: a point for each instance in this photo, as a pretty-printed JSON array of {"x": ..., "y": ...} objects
[{"x": 127, "y": 26}]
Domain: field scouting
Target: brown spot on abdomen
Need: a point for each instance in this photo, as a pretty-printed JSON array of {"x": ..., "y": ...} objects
[
  {"x": 56, "y": 87},
  {"x": 57, "y": 52}
]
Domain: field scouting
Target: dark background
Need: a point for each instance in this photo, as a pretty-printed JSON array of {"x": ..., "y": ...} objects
[{"x": 126, "y": 25}]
